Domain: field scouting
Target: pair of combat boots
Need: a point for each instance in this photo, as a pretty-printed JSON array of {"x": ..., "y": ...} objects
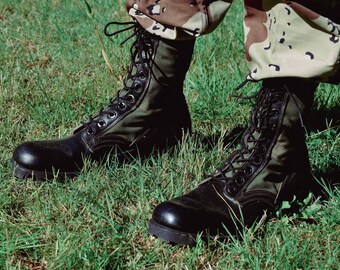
[{"x": 271, "y": 164}]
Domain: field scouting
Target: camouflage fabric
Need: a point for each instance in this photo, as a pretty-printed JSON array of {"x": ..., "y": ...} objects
[{"x": 282, "y": 38}]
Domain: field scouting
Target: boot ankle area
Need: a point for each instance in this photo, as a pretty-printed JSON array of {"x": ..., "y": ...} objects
[
  {"x": 300, "y": 90},
  {"x": 303, "y": 88},
  {"x": 177, "y": 51},
  {"x": 183, "y": 43},
  {"x": 291, "y": 82}
]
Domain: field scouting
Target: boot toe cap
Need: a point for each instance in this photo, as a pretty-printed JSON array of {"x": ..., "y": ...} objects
[
  {"x": 192, "y": 216},
  {"x": 28, "y": 156},
  {"x": 63, "y": 155},
  {"x": 169, "y": 215},
  {"x": 182, "y": 217}
]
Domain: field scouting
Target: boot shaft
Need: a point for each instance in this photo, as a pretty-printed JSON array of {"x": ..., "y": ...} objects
[
  {"x": 279, "y": 154},
  {"x": 151, "y": 108}
]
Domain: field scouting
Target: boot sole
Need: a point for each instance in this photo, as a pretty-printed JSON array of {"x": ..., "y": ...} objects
[
  {"x": 171, "y": 236},
  {"x": 24, "y": 173}
]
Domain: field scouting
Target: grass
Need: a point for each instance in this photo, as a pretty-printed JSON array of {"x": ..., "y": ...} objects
[{"x": 53, "y": 75}]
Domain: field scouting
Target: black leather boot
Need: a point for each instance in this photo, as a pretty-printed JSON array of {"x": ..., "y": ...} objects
[
  {"x": 149, "y": 113},
  {"x": 270, "y": 166}
]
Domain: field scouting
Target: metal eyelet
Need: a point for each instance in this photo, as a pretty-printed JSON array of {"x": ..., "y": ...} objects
[
  {"x": 90, "y": 131},
  {"x": 262, "y": 149},
  {"x": 248, "y": 170},
  {"x": 231, "y": 190},
  {"x": 239, "y": 180},
  {"x": 101, "y": 124},
  {"x": 258, "y": 160},
  {"x": 275, "y": 113},
  {"x": 130, "y": 98},
  {"x": 137, "y": 86},
  {"x": 112, "y": 114},
  {"x": 122, "y": 106},
  {"x": 141, "y": 75}
]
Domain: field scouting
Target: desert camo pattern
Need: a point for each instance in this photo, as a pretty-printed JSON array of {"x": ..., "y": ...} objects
[{"x": 281, "y": 38}]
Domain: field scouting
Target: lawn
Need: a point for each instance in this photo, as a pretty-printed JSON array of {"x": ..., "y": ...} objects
[{"x": 53, "y": 76}]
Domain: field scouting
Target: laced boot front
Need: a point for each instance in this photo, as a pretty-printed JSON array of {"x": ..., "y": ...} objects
[
  {"x": 271, "y": 165},
  {"x": 149, "y": 113}
]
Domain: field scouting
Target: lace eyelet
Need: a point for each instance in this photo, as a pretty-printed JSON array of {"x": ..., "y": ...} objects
[
  {"x": 248, "y": 170},
  {"x": 131, "y": 99},
  {"x": 90, "y": 131},
  {"x": 231, "y": 190},
  {"x": 112, "y": 114},
  {"x": 239, "y": 180},
  {"x": 275, "y": 113},
  {"x": 101, "y": 124},
  {"x": 141, "y": 75},
  {"x": 122, "y": 106},
  {"x": 137, "y": 86},
  {"x": 262, "y": 149},
  {"x": 258, "y": 160}
]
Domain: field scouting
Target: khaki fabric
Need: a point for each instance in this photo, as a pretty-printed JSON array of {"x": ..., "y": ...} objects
[
  {"x": 286, "y": 39},
  {"x": 282, "y": 38}
]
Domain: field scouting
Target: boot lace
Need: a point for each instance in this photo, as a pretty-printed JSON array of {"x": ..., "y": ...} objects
[{"x": 141, "y": 53}]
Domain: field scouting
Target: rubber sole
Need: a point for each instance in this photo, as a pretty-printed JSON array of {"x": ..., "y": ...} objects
[
  {"x": 171, "y": 236},
  {"x": 24, "y": 173}
]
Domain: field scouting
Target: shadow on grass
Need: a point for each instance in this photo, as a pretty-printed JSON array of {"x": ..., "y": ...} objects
[
  {"x": 330, "y": 180},
  {"x": 232, "y": 139},
  {"x": 323, "y": 118}
]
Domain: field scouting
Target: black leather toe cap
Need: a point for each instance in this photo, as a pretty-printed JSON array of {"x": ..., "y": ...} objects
[
  {"x": 190, "y": 218},
  {"x": 63, "y": 155},
  {"x": 170, "y": 215},
  {"x": 29, "y": 155}
]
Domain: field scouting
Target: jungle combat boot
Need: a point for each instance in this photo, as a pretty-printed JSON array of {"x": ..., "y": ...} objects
[
  {"x": 270, "y": 166},
  {"x": 149, "y": 113}
]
